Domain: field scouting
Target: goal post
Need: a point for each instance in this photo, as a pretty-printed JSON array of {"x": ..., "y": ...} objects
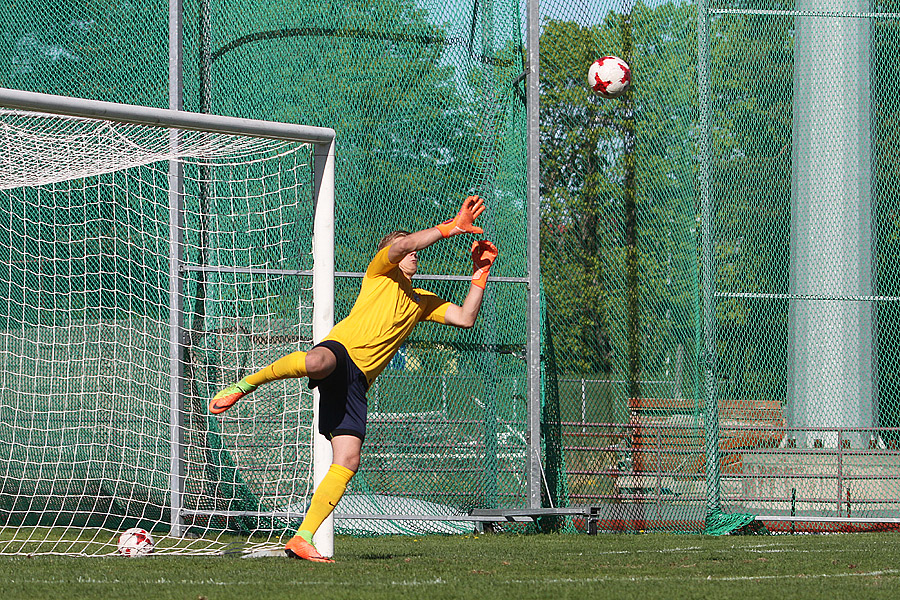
[
  {"x": 323, "y": 317},
  {"x": 112, "y": 264}
]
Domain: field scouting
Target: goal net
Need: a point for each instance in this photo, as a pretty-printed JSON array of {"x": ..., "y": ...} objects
[{"x": 136, "y": 256}]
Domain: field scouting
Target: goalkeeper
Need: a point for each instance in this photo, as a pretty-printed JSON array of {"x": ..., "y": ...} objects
[{"x": 357, "y": 350}]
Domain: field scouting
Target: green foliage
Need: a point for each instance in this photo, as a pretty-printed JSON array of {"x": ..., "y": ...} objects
[
  {"x": 751, "y": 157},
  {"x": 88, "y": 49},
  {"x": 584, "y": 160},
  {"x": 576, "y": 188}
]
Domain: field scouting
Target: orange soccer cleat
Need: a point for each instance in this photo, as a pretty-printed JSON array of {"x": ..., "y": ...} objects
[
  {"x": 297, "y": 547},
  {"x": 227, "y": 397}
]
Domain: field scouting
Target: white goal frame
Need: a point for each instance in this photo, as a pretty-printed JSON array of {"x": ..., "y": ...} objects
[{"x": 323, "y": 140}]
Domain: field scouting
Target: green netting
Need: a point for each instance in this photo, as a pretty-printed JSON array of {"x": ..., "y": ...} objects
[
  {"x": 428, "y": 106},
  {"x": 717, "y": 254},
  {"x": 619, "y": 260},
  {"x": 724, "y": 233}
]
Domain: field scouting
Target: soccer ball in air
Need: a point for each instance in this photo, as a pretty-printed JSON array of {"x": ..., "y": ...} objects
[
  {"x": 135, "y": 542},
  {"x": 609, "y": 76}
]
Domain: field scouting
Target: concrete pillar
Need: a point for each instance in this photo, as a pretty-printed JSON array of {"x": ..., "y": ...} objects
[{"x": 831, "y": 253}]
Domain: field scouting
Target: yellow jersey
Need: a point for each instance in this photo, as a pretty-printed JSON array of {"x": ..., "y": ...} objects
[{"x": 385, "y": 313}]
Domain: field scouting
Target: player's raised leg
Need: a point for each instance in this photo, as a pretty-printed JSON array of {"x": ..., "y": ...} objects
[{"x": 317, "y": 363}]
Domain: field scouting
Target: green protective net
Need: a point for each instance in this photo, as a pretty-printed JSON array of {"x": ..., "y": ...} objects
[
  {"x": 716, "y": 252},
  {"x": 717, "y": 260},
  {"x": 428, "y": 107},
  {"x": 619, "y": 249}
]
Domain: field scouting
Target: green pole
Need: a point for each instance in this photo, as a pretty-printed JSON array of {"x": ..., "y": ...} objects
[
  {"x": 707, "y": 275},
  {"x": 632, "y": 258}
]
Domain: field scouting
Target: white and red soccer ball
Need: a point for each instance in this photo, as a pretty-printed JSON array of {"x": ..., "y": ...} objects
[
  {"x": 135, "y": 542},
  {"x": 609, "y": 76}
]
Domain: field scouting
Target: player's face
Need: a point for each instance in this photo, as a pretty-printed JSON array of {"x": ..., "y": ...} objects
[{"x": 410, "y": 264}]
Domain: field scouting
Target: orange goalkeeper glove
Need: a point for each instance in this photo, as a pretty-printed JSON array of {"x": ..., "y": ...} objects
[
  {"x": 472, "y": 207},
  {"x": 484, "y": 254}
]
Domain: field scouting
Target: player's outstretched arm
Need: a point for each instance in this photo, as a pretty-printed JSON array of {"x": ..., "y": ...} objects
[
  {"x": 471, "y": 209},
  {"x": 484, "y": 254}
]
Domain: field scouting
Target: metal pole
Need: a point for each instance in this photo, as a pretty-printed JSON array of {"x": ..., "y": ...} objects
[
  {"x": 491, "y": 464},
  {"x": 205, "y": 58},
  {"x": 176, "y": 186},
  {"x": 711, "y": 412},
  {"x": 840, "y": 469},
  {"x": 534, "y": 262},
  {"x": 832, "y": 342}
]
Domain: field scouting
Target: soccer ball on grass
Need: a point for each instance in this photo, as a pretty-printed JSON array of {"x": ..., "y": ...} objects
[
  {"x": 135, "y": 542},
  {"x": 609, "y": 76}
]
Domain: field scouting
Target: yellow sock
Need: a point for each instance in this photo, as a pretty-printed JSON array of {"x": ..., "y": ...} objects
[
  {"x": 325, "y": 499},
  {"x": 292, "y": 365}
]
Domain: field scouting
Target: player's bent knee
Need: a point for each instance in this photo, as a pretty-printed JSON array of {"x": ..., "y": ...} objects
[
  {"x": 346, "y": 451},
  {"x": 348, "y": 462},
  {"x": 320, "y": 362}
]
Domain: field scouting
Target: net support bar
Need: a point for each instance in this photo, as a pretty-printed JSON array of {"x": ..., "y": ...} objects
[
  {"x": 707, "y": 276},
  {"x": 176, "y": 250},
  {"x": 176, "y": 343},
  {"x": 534, "y": 263}
]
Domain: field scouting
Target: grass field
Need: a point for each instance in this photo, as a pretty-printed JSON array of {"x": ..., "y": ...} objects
[{"x": 492, "y": 566}]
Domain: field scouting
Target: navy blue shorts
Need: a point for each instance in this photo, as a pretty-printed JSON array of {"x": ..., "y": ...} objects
[{"x": 342, "y": 396}]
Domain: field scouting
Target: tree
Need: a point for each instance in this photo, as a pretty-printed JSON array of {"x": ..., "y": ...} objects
[
  {"x": 87, "y": 49},
  {"x": 584, "y": 154},
  {"x": 751, "y": 170}
]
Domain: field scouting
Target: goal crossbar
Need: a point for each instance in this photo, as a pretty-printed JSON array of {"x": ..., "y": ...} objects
[{"x": 163, "y": 117}]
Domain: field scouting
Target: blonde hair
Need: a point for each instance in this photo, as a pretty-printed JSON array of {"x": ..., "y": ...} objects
[{"x": 386, "y": 240}]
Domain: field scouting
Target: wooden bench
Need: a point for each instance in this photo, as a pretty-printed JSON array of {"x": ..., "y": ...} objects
[
  {"x": 490, "y": 516},
  {"x": 668, "y": 436}
]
